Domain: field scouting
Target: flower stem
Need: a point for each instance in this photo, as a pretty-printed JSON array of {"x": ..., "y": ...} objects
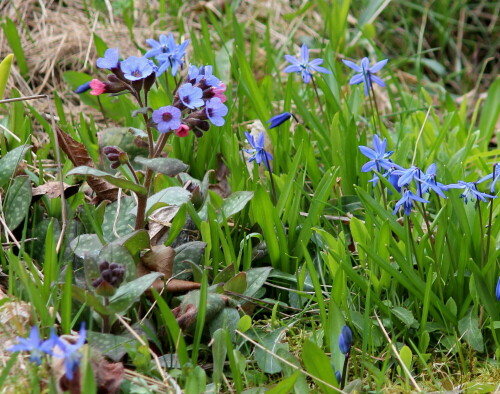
[
  {"x": 271, "y": 178},
  {"x": 317, "y": 96},
  {"x": 376, "y": 108},
  {"x": 344, "y": 371},
  {"x": 478, "y": 204}
]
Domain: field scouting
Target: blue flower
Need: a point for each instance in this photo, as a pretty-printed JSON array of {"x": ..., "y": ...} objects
[
  {"x": 345, "y": 340},
  {"x": 35, "y": 345},
  {"x": 190, "y": 96},
  {"x": 407, "y": 202},
  {"x": 470, "y": 191},
  {"x": 366, "y": 73},
  {"x": 216, "y": 111},
  {"x": 407, "y": 175},
  {"x": 279, "y": 119},
  {"x": 379, "y": 157},
  {"x": 83, "y": 88},
  {"x": 428, "y": 181},
  {"x": 304, "y": 66},
  {"x": 498, "y": 289},
  {"x": 167, "y": 52},
  {"x": 167, "y": 118},
  {"x": 110, "y": 59},
  {"x": 70, "y": 353},
  {"x": 495, "y": 175},
  {"x": 136, "y": 68},
  {"x": 391, "y": 176},
  {"x": 258, "y": 152}
]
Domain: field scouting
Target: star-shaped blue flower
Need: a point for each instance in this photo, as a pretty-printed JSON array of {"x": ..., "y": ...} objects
[
  {"x": 258, "y": 152},
  {"x": 71, "y": 353},
  {"x": 428, "y": 181},
  {"x": 35, "y": 345},
  {"x": 379, "y": 157},
  {"x": 407, "y": 175},
  {"x": 407, "y": 202},
  {"x": 304, "y": 66},
  {"x": 366, "y": 73},
  {"x": 470, "y": 191}
]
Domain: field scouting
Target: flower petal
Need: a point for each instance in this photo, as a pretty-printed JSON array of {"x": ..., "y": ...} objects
[
  {"x": 292, "y": 60},
  {"x": 352, "y": 65},
  {"x": 356, "y": 79},
  {"x": 377, "y": 80},
  {"x": 378, "y": 66},
  {"x": 292, "y": 69},
  {"x": 304, "y": 53}
]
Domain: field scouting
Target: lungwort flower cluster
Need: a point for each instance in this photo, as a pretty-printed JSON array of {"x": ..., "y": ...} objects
[
  {"x": 198, "y": 102},
  {"x": 54, "y": 346},
  {"x": 404, "y": 179}
]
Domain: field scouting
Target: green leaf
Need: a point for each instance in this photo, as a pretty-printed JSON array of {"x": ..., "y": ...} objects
[
  {"x": 285, "y": 386},
  {"x": 135, "y": 242},
  {"x": 17, "y": 201},
  {"x": 490, "y": 111},
  {"x": 219, "y": 352},
  {"x": 86, "y": 246},
  {"x": 237, "y": 284},
  {"x": 167, "y": 166},
  {"x": 87, "y": 298},
  {"x": 318, "y": 365},
  {"x": 244, "y": 323},
  {"x": 404, "y": 315},
  {"x": 272, "y": 341},
  {"x": 468, "y": 327},
  {"x": 190, "y": 252},
  {"x": 5, "y": 72},
  {"x": 12, "y": 35},
  {"x": 234, "y": 203},
  {"x": 406, "y": 355},
  {"x": 118, "y": 223},
  {"x": 130, "y": 292},
  {"x": 9, "y": 162},
  {"x": 120, "y": 182},
  {"x": 256, "y": 278},
  {"x": 174, "y": 195},
  {"x": 228, "y": 320},
  {"x": 109, "y": 345}
]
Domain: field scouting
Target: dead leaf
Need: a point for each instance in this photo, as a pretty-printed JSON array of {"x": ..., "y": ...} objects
[
  {"x": 53, "y": 190},
  {"x": 160, "y": 221},
  {"x": 221, "y": 174},
  {"x": 79, "y": 156},
  {"x": 108, "y": 376}
]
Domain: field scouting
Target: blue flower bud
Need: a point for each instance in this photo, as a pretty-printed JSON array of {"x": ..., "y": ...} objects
[
  {"x": 498, "y": 289},
  {"x": 345, "y": 340},
  {"x": 338, "y": 376},
  {"x": 83, "y": 88},
  {"x": 279, "y": 119}
]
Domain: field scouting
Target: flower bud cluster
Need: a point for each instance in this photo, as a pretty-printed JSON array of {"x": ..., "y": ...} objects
[
  {"x": 115, "y": 155},
  {"x": 112, "y": 275}
]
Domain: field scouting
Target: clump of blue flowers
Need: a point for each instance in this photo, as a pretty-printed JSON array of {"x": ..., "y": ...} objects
[
  {"x": 168, "y": 54},
  {"x": 258, "y": 152},
  {"x": 53, "y": 346}
]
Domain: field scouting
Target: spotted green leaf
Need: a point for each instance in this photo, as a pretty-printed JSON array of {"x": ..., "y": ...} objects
[
  {"x": 190, "y": 252},
  {"x": 234, "y": 203},
  {"x": 17, "y": 201},
  {"x": 174, "y": 195},
  {"x": 8, "y": 163},
  {"x": 120, "y": 182},
  {"x": 167, "y": 166},
  {"x": 130, "y": 292},
  {"x": 117, "y": 221}
]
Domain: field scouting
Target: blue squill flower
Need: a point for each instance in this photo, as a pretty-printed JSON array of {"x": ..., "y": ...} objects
[
  {"x": 366, "y": 73},
  {"x": 470, "y": 191},
  {"x": 407, "y": 175},
  {"x": 498, "y": 289},
  {"x": 338, "y": 376},
  {"x": 258, "y": 153},
  {"x": 407, "y": 202},
  {"x": 428, "y": 181},
  {"x": 71, "y": 353},
  {"x": 35, "y": 345},
  {"x": 279, "y": 119},
  {"x": 379, "y": 157},
  {"x": 136, "y": 68},
  {"x": 167, "y": 52},
  {"x": 495, "y": 175},
  {"x": 304, "y": 66},
  {"x": 165, "y": 44},
  {"x": 110, "y": 60},
  {"x": 190, "y": 96},
  {"x": 216, "y": 111},
  {"x": 391, "y": 176},
  {"x": 345, "y": 340},
  {"x": 167, "y": 118}
]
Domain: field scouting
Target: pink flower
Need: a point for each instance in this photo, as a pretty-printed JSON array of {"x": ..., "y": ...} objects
[
  {"x": 219, "y": 92},
  {"x": 182, "y": 131},
  {"x": 98, "y": 87}
]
